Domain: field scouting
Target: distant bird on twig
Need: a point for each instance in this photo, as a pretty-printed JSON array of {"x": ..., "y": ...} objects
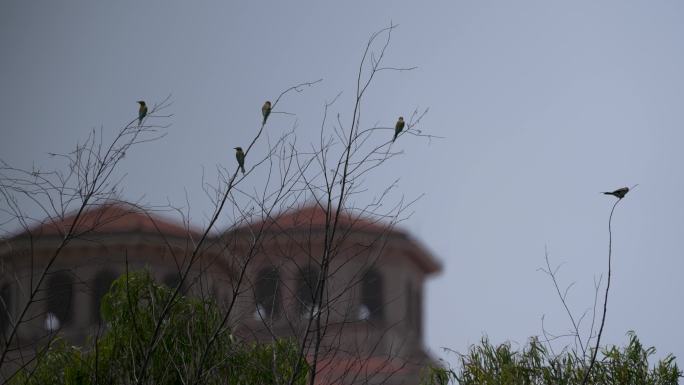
[
  {"x": 240, "y": 156},
  {"x": 398, "y": 127},
  {"x": 619, "y": 193},
  {"x": 266, "y": 110},
  {"x": 142, "y": 112}
]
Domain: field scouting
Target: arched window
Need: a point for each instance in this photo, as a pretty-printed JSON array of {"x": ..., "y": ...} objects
[
  {"x": 60, "y": 289},
  {"x": 101, "y": 285},
  {"x": 306, "y": 292},
  {"x": 418, "y": 311},
  {"x": 410, "y": 298},
  {"x": 267, "y": 294},
  {"x": 372, "y": 303},
  {"x": 5, "y": 307},
  {"x": 171, "y": 280}
]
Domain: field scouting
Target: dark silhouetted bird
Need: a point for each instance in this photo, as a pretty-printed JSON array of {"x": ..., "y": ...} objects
[
  {"x": 619, "y": 193},
  {"x": 240, "y": 156},
  {"x": 142, "y": 112},
  {"x": 398, "y": 127},
  {"x": 266, "y": 110}
]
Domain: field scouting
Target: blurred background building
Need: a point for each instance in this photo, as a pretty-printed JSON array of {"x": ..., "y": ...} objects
[{"x": 265, "y": 271}]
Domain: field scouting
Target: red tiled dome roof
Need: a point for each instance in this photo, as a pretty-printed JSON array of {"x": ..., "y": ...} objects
[
  {"x": 314, "y": 217},
  {"x": 119, "y": 217},
  {"x": 111, "y": 218}
]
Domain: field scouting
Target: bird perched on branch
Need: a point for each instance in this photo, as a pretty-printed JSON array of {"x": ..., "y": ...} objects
[
  {"x": 266, "y": 110},
  {"x": 240, "y": 156},
  {"x": 619, "y": 193},
  {"x": 398, "y": 127},
  {"x": 142, "y": 111}
]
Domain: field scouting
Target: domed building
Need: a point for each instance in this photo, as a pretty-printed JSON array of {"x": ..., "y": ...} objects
[{"x": 276, "y": 275}]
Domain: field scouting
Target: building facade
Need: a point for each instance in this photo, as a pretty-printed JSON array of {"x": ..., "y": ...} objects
[{"x": 275, "y": 276}]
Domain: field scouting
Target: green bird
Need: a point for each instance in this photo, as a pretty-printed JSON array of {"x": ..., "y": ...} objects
[
  {"x": 266, "y": 110},
  {"x": 142, "y": 111},
  {"x": 619, "y": 193},
  {"x": 398, "y": 127},
  {"x": 240, "y": 156}
]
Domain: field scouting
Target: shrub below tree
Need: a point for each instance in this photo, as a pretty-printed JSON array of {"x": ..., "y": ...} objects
[{"x": 183, "y": 354}]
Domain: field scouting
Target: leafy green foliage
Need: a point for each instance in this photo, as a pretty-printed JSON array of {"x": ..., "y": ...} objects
[
  {"x": 183, "y": 353},
  {"x": 486, "y": 364}
]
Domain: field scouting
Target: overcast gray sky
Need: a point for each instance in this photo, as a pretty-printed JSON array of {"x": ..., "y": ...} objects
[{"x": 542, "y": 105}]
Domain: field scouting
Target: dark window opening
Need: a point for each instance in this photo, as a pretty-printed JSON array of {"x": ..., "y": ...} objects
[
  {"x": 372, "y": 298},
  {"x": 418, "y": 312},
  {"x": 60, "y": 289},
  {"x": 410, "y": 311},
  {"x": 172, "y": 280},
  {"x": 267, "y": 294},
  {"x": 306, "y": 292},
  {"x": 5, "y": 307},
  {"x": 101, "y": 285}
]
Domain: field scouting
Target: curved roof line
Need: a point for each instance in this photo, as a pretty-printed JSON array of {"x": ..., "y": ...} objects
[
  {"x": 119, "y": 217},
  {"x": 312, "y": 217},
  {"x": 111, "y": 217}
]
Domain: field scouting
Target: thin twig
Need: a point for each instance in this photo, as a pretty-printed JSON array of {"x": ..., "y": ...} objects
[{"x": 605, "y": 299}]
